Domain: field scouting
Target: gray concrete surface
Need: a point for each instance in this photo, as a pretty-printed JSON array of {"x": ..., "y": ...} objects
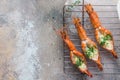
[{"x": 29, "y": 48}]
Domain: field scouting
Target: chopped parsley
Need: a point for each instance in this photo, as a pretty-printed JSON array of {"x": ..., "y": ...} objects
[
  {"x": 90, "y": 51},
  {"x": 104, "y": 39},
  {"x": 79, "y": 62}
]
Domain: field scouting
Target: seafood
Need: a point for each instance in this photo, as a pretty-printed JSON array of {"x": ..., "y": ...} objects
[
  {"x": 103, "y": 36},
  {"x": 77, "y": 58},
  {"x": 89, "y": 47}
]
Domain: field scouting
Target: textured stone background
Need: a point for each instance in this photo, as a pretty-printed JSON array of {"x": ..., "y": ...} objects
[{"x": 29, "y": 48}]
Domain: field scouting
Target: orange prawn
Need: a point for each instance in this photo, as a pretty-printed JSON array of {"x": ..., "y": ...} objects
[
  {"x": 77, "y": 58},
  {"x": 89, "y": 47},
  {"x": 103, "y": 36}
]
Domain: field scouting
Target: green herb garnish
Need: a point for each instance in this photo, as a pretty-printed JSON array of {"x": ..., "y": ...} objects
[
  {"x": 108, "y": 37},
  {"x": 90, "y": 51},
  {"x": 73, "y": 4},
  {"x": 104, "y": 39},
  {"x": 78, "y": 62}
]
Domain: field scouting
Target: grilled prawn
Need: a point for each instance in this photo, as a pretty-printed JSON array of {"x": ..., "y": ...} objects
[
  {"x": 103, "y": 36},
  {"x": 76, "y": 57},
  {"x": 89, "y": 48}
]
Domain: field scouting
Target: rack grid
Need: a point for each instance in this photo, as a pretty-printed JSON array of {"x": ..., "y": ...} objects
[{"x": 109, "y": 19}]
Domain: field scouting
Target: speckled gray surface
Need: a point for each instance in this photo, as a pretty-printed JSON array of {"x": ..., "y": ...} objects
[{"x": 29, "y": 48}]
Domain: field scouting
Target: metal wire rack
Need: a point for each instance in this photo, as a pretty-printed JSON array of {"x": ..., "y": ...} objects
[{"x": 109, "y": 19}]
